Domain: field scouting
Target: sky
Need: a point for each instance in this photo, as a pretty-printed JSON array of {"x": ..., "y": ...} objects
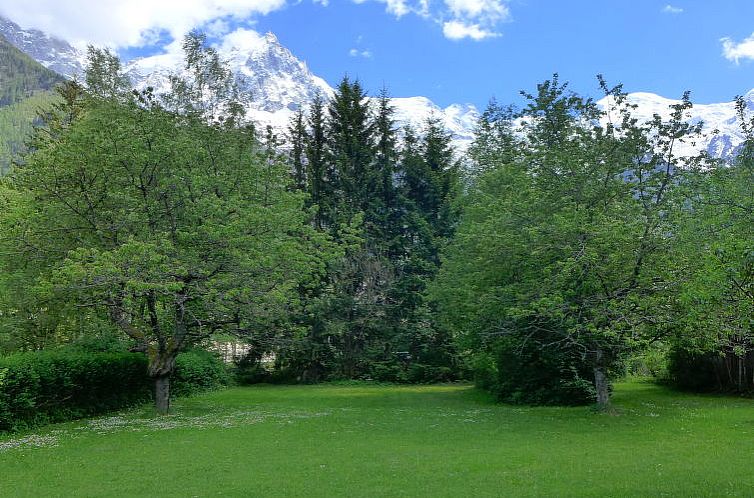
[{"x": 452, "y": 51}]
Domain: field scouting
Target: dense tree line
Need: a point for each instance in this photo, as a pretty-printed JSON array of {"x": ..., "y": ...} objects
[
  {"x": 569, "y": 239},
  {"x": 25, "y": 86},
  {"x": 388, "y": 201},
  {"x": 714, "y": 349}
]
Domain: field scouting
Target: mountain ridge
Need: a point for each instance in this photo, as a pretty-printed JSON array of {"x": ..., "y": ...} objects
[{"x": 277, "y": 84}]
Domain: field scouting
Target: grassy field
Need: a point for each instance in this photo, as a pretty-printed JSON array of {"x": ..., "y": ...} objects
[{"x": 369, "y": 441}]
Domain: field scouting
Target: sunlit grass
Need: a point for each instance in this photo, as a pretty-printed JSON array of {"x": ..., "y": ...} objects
[{"x": 393, "y": 441}]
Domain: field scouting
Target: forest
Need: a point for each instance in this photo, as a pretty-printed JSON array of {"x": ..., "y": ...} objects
[{"x": 570, "y": 246}]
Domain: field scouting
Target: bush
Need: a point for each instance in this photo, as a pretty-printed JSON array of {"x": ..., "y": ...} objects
[
  {"x": 695, "y": 370},
  {"x": 703, "y": 365},
  {"x": 197, "y": 371},
  {"x": 532, "y": 375},
  {"x": 46, "y": 387}
]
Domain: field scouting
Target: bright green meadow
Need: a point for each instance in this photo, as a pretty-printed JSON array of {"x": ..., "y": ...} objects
[{"x": 371, "y": 441}]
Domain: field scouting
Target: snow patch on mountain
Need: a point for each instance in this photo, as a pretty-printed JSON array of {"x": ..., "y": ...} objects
[{"x": 721, "y": 130}]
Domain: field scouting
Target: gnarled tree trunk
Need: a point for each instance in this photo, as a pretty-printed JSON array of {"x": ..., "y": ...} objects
[{"x": 161, "y": 366}]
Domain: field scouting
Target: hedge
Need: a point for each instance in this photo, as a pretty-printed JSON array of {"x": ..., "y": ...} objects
[{"x": 45, "y": 387}]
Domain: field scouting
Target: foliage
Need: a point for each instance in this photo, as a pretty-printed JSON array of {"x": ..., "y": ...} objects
[
  {"x": 530, "y": 374},
  {"x": 390, "y": 211},
  {"x": 715, "y": 346},
  {"x": 44, "y": 387},
  {"x": 198, "y": 370}
]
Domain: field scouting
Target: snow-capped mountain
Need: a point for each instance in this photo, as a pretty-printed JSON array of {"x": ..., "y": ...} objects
[
  {"x": 53, "y": 53},
  {"x": 276, "y": 84},
  {"x": 722, "y": 135}
]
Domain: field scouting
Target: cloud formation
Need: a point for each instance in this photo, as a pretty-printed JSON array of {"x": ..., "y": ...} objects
[
  {"x": 457, "y": 30},
  {"x": 670, "y": 9},
  {"x": 735, "y": 51},
  {"x": 364, "y": 54},
  {"x": 130, "y": 23},
  {"x": 460, "y": 19},
  {"x": 137, "y": 23}
]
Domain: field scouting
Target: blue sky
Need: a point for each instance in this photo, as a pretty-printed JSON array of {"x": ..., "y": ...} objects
[
  {"x": 633, "y": 42},
  {"x": 453, "y": 50}
]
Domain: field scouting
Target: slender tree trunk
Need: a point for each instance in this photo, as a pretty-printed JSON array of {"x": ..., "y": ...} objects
[{"x": 601, "y": 384}]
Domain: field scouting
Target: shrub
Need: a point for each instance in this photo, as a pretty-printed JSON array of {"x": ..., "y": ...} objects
[
  {"x": 695, "y": 370},
  {"x": 197, "y": 371},
  {"x": 533, "y": 375}
]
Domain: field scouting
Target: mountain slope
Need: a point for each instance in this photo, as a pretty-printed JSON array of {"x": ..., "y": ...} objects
[
  {"x": 25, "y": 85},
  {"x": 277, "y": 84},
  {"x": 16, "y": 124},
  {"x": 21, "y": 76},
  {"x": 722, "y": 131}
]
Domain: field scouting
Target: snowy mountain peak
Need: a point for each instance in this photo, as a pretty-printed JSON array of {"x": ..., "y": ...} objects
[
  {"x": 53, "y": 53},
  {"x": 722, "y": 135}
]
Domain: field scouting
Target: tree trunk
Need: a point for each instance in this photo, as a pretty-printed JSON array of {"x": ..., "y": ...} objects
[
  {"x": 601, "y": 384},
  {"x": 161, "y": 366},
  {"x": 162, "y": 394}
]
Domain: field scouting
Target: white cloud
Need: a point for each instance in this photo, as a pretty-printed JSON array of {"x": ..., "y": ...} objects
[
  {"x": 736, "y": 51},
  {"x": 217, "y": 28},
  {"x": 124, "y": 23},
  {"x": 355, "y": 52},
  {"x": 137, "y": 23},
  {"x": 246, "y": 40},
  {"x": 671, "y": 9},
  {"x": 457, "y": 30},
  {"x": 489, "y": 10},
  {"x": 474, "y": 19},
  {"x": 398, "y": 8},
  {"x": 460, "y": 19}
]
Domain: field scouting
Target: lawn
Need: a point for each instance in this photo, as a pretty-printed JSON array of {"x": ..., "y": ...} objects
[{"x": 370, "y": 441}]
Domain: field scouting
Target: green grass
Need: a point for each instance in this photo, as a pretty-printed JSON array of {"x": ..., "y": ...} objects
[{"x": 366, "y": 441}]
